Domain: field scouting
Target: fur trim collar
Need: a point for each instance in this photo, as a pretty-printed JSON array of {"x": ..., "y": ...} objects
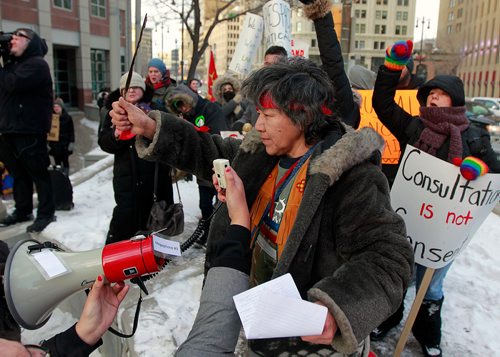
[
  {"x": 352, "y": 149},
  {"x": 317, "y": 9}
]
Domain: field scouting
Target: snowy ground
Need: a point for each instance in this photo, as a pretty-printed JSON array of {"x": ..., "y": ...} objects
[{"x": 471, "y": 314}]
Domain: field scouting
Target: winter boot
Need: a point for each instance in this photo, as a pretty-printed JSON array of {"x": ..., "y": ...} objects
[
  {"x": 427, "y": 327},
  {"x": 39, "y": 224},
  {"x": 16, "y": 218}
]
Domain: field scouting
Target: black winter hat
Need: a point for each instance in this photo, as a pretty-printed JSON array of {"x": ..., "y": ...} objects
[{"x": 450, "y": 84}]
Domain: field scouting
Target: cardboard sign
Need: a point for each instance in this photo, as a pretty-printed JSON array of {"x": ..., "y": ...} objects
[
  {"x": 300, "y": 48},
  {"x": 53, "y": 135},
  {"x": 441, "y": 209},
  {"x": 248, "y": 43},
  {"x": 406, "y": 99},
  {"x": 278, "y": 28}
]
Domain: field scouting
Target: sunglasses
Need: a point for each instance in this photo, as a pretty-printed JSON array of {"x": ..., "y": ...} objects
[{"x": 20, "y": 34}]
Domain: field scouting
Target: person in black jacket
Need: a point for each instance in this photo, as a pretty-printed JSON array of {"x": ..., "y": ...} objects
[
  {"x": 441, "y": 130},
  {"x": 63, "y": 147},
  {"x": 206, "y": 117},
  {"x": 25, "y": 118},
  {"x": 226, "y": 90},
  {"x": 133, "y": 178},
  {"x": 330, "y": 52},
  {"x": 84, "y": 337}
]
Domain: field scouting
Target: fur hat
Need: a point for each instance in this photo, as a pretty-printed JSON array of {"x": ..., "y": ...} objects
[
  {"x": 135, "y": 81},
  {"x": 450, "y": 84},
  {"x": 158, "y": 63}
]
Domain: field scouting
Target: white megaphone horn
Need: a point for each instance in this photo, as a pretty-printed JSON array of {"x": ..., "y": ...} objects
[{"x": 39, "y": 276}]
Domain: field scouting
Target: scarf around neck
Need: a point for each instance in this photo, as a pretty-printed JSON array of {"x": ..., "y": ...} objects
[{"x": 442, "y": 123}]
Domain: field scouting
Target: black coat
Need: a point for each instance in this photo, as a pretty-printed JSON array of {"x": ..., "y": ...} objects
[
  {"x": 333, "y": 64},
  {"x": 133, "y": 180},
  {"x": 407, "y": 128},
  {"x": 26, "y": 95}
]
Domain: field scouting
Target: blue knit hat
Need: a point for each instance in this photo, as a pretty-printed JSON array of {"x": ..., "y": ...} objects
[{"x": 158, "y": 63}]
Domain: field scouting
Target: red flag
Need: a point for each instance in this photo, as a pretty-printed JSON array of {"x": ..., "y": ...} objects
[{"x": 212, "y": 76}]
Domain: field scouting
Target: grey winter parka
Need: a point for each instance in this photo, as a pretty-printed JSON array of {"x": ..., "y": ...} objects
[{"x": 347, "y": 248}]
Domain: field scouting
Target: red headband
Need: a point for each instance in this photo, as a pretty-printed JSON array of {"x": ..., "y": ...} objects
[{"x": 266, "y": 102}]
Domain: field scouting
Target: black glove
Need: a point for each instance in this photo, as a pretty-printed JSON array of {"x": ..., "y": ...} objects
[{"x": 307, "y": 2}]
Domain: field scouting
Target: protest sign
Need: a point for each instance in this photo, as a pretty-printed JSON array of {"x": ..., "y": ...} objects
[
  {"x": 300, "y": 48},
  {"x": 406, "y": 99},
  {"x": 248, "y": 43},
  {"x": 442, "y": 210},
  {"x": 278, "y": 28},
  {"x": 53, "y": 135}
]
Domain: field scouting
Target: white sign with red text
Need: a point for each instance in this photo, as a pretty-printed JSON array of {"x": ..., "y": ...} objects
[
  {"x": 300, "y": 48},
  {"x": 442, "y": 210}
]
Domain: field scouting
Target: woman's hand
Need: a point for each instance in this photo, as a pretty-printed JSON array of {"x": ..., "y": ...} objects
[
  {"x": 234, "y": 197},
  {"x": 100, "y": 310},
  {"x": 329, "y": 331},
  {"x": 127, "y": 117}
]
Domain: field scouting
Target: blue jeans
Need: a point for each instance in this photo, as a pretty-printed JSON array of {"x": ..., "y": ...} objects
[{"x": 435, "y": 290}]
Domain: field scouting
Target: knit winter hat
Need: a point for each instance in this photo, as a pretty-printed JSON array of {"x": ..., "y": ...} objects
[
  {"x": 59, "y": 102},
  {"x": 135, "y": 81},
  {"x": 450, "y": 84},
  {"x": 158, "y": 63}
]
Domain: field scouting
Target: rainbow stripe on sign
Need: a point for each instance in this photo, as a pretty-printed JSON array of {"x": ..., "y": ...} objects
[{"x": 472, "y": 167}]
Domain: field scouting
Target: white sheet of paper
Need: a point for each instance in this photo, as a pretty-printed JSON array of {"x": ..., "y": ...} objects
[
  {"x": 50, "y": 263},
  {"x": 166, "y": 246},
  {"x": 275, "y": 309}
]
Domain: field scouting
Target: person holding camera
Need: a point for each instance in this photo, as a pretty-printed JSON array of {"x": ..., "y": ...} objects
[{"x": 26, "y": 100}]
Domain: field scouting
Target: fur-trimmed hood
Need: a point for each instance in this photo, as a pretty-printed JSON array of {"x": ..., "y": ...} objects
[
  {"x": 181, "y": 93},
  {"x": 219, "y": 82},
  {"x": 351, "y": 149}
]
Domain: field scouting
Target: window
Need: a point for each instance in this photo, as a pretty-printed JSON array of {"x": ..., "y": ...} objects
[
  {"x": 98, "y": 66},
  {"x": 404, "y": 30},
  {"x": 452, "y": 3},
  {"x": 449, "y": 29},
  {"x": 460, "y": 13},
  {"x": 378, "y": 15},
  {"x": 313, "y": 42},
  {"x": 382, "y": 45},
  {"x": 382, "y": 29},
  {"x": 299, "y": 26},
  {"x": 402, "y": 2},
  {"x": 98, "y": 8},
  {"x": 63, "y": 4},
  {"x": 381, "y": 2},
  {"x": 361, "y": 44},
  {"x": 398, "y": 30},
  {"x": 357, "y": 13},
  {"x": 399, "y": 15},
  {"x": 375, "y": 45},
  {"x": 363, "y": 14},
  {"x": 405, "y": 15},
  {"x": 377, "y": 29},
  {"x": 384, "y": 15},
  {"x": 451, "y": 16},
  {"x": 360, "y": 28}
]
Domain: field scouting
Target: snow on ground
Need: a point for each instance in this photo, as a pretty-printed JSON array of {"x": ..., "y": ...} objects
[{"x": 471, "y": 314}]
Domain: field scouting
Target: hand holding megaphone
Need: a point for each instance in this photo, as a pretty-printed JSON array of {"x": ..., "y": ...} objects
[{"x": 39, "y": 276}]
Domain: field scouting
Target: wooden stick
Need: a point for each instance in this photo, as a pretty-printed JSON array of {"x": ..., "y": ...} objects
[{"x": 429, "y": 272}]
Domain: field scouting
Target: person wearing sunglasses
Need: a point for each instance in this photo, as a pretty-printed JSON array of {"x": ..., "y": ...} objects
[{"x": 26, "y": 100}]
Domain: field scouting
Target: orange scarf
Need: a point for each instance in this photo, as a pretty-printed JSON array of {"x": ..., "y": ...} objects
[{"x": 292, "y": 206}]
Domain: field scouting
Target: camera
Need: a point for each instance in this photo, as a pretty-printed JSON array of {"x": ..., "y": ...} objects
[{"x": 5, "y": 38}]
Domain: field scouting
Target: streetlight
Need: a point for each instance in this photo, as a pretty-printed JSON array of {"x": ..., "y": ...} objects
[
  {"x": 182, "y": 39},
  {"x": 422, "y": 36}
]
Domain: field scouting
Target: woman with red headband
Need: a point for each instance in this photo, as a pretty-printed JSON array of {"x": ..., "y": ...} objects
[{"x": 319, "y": 203}]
